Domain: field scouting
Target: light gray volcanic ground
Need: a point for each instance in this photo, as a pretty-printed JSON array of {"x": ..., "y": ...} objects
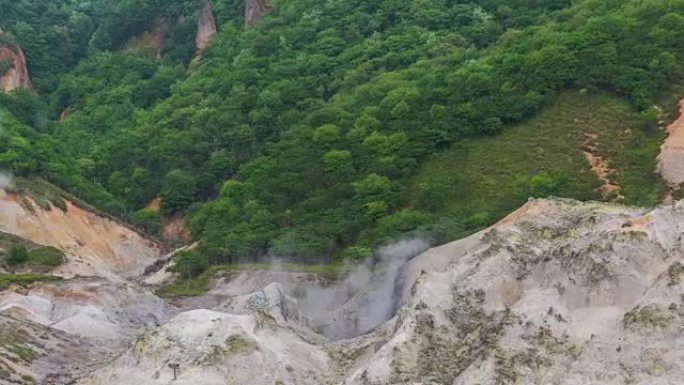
[{"x": 560, "y": 292}]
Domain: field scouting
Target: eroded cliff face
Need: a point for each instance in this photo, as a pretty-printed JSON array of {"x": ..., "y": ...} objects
[
  {"x": 206, "y": 26},
  {"x": 671, "y": 158},
  {"x": 254, "y": 9},
  {"x": 94, "y": 245},
  {"x": 16, "y": 75}
]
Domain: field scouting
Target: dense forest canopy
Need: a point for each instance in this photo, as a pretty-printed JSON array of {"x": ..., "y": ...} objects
[{"x": 302, "y": 136}]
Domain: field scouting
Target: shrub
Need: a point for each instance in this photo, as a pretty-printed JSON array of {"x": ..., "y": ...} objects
[
  {"x": 357, "y": 253},
  {"x": 45, "y": 256},
  {"x": 479, "y": 220},
  {"x": 190, "y": 264},
  {"x": 17, "y": 255},
  {"x": 147, "y": 220}
]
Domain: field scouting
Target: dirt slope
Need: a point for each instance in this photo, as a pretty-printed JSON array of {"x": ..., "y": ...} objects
[{"x": 95, "y": 246}]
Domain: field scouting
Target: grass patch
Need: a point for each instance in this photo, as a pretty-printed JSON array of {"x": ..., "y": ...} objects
[
  {"x": 201, "y": 284},
  {"x": 186, "y": 287},
  {"x": 37, "y": 255},
  {"x": 24, "y": 279},
  {"x": 23, "y": 352},
  {"x": 479, "y": 181},
  {"x": 45, "y": 256}
]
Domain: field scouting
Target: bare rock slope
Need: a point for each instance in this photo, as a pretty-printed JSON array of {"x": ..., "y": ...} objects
[
  {"x": 95, "y": 245},
  {"x": 560, "y": 292}
]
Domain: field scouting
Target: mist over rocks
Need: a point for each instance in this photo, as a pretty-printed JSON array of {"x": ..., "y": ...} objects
[
  {"x": 367, "y": 296},
  {"x": 6, "y": 181},
  {"x": 559, "y": 291}
]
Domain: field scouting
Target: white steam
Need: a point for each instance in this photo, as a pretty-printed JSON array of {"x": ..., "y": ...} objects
[
  {"x": 365, "y": 298},
  {"x": 5, "y": 181}
]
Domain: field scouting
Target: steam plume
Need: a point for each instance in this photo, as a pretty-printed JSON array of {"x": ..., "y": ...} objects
[
  {"x": 364, "y": 299},
  {"x": 5, "y": 181}
]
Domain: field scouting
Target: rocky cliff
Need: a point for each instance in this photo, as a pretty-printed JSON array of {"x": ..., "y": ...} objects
[
  {"x": 254, "y": 9},
  {"x": 206, "y": 26},
  {"x": 15, "y": 74}
]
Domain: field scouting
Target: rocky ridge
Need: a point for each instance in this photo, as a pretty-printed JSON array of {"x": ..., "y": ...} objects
[{"x": 94, "y": 245}]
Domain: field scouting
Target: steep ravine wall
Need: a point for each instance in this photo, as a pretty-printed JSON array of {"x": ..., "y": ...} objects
[{"x": 559, "y": 292}]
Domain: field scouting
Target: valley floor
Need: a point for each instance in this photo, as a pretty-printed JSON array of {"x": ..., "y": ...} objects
[{"x": 559, "y": 292}]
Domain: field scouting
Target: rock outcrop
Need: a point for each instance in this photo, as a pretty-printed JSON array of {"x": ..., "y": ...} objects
[
  {"x": 206, "y": 26},
  {"x": 671, "y": 158},
  {"x": 94, "y": 245},
  {"x": 560, "y": 292},
  {"x": 64, "y": 114},
  {"x": 91, "y": 308},
  {"x": 15, "y": 74},
  {"x": 251, "y": 342},
  {"x": 254, "y": 9}
]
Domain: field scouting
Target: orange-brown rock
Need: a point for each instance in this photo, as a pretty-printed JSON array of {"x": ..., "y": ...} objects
[
  {"x": 206, "y": 26},
  {"x": 16, "y": 76},
  {"x": 254, "y": 9},
  {"x": 65, "y": 114}
]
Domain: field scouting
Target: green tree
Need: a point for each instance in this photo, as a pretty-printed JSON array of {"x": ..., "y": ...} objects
[{"x": 178, "y": 192}]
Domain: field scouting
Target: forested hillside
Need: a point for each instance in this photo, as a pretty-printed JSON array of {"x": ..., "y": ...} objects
[{"x": 328, "y": 128}]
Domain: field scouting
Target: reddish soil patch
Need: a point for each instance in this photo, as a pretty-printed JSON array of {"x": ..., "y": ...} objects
[
  {"x": 671, "y": 158},
  {"x": 609, "y": 190}
]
